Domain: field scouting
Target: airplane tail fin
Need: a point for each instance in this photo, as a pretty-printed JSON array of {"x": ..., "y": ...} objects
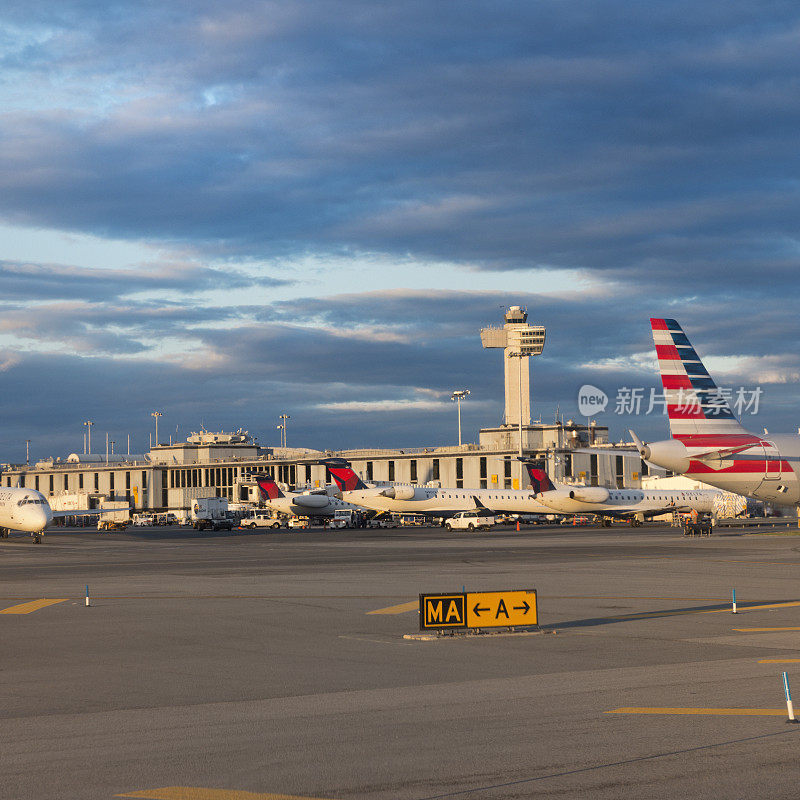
[
  {"x": 695, "y": 406},
  {"x": 540, "y": 480},
  {"x": 269, "y": 489},
  {"x": 344, "y": 477}
]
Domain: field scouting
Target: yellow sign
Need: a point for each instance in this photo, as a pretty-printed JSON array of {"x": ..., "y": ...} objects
[
  {"x": 501, "y": 609},
  {"x": 635, "y": 476},
  {"x": 516, "y": 483},
  {"x": 507, "y": 609},
  {"x": 441, "y": 611}
]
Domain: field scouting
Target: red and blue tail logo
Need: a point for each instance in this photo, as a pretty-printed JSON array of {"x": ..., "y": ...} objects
[
  {"x": 344, "y": 477},
  {"x": 540, "y": 480},
  {"x": 269, "y": 489}
]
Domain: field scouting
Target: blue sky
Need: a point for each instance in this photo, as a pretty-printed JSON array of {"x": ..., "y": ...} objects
[{"x": 226, "y": 213}]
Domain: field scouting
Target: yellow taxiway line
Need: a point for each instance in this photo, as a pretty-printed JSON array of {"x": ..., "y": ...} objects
[
  {"x": 199, "y": 793},
  {"x": 779, "y": 661},
  {"x": 722, "y": 712},
  {"x": 764, "y": 630},
  {"x": 398, "y": 609},
  {"x": 34, "y": 605}
]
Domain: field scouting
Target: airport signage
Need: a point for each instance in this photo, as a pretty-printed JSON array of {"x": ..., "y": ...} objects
[{"x": 462, "y": 610}]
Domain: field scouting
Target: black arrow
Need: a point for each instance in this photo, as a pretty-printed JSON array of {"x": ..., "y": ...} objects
[
  {"x": 477, "y": 610},
  {"x": 524, "y": 608}
]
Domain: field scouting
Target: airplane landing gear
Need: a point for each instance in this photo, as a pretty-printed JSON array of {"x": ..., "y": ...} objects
[{"x": 3, "y": 533}]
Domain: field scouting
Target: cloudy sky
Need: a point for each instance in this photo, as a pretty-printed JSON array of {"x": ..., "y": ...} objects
[{"x": 228, "y": 211}]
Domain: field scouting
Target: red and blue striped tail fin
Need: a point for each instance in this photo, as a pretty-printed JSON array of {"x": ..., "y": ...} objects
[
  {"x": 695, "y": 405},
  {"x": 269, "y": 489}
]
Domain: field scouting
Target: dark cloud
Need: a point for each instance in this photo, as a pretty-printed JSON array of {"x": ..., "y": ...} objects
[
  {"x": 608, "y": 135},
  {"x": 25, "y": 281},
  {"x": 651, "y": 149}
]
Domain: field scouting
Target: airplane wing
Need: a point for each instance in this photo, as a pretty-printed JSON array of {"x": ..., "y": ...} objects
[{"x": 85, "y": 512}]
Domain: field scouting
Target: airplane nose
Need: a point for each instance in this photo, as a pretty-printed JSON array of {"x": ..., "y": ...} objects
[{"x": 44, "y": 516}]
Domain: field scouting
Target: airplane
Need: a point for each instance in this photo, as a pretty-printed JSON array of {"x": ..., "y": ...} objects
[
  {"x": 318, "y": 503},
  {"x": 440, "y": 503},
  {"x": 28, "y": 511},
  {"x": 634, "y": 505},
  {"x": 708, "y": 443}
]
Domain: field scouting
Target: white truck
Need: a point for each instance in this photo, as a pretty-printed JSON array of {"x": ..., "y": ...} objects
[
  {"x": 343, "y": 518},
  {"x": 114, "y": 520},
  {"x": 261, "y": 519},
  {"x": 470, "y": 521},
  {"x": 211, "y": 513}
]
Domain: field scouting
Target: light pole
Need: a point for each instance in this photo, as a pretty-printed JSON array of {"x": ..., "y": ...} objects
[
  {"x": 280, "y": 428},
  {"x": 88, "y": 424},
  {"x": 155, "y": 415},
  {"x": 27, "y": 451},
  {"x": 458, "y": 395},
  {"x": 284, "y": 417}
]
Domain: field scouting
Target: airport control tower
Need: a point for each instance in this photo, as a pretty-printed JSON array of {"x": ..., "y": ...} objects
[{"x": 519, "y": 341}]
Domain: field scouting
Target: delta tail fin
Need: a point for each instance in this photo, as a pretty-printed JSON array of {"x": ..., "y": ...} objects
[
  {"x": 269, "y": 489},
  {"x": 343, "y": 475},
  {"x": 540, "y": 480},
  {"x": 695, "y": 406}
]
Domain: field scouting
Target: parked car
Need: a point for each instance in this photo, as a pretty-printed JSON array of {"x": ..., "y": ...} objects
[
  {"x": 261, "y": 519},
  {"x": 470, "y": 521}
]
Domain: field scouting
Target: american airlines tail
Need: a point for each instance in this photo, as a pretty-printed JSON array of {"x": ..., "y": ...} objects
[
  {"x": 343, "y": 475},
  {"x": 268, "y": 487},
  {"x": 698, "y": 414},
  {"x": 708, "y": 443}
]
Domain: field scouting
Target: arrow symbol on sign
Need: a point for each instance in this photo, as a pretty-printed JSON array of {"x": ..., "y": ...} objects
[
  {"x": 524, "y": 608},
  {"x": 477, "y": 610}
]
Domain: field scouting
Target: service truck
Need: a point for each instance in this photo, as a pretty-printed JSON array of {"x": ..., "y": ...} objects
[
  {"x": 211, "y": 513},
  {"x": 114, "y": 520}
]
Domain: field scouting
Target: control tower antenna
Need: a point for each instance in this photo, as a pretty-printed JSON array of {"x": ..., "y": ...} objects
[{"x": 518, "y": 340}]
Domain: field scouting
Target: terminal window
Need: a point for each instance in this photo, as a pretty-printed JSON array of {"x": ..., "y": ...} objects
[
  {"x": 435, "y": 470},
  {"x": 391, "y": 470},
  {"x": 459, "y": 473},
  {"x": 507, "y": 474},
  {"x": 483, "y": 472},
  {"x": 80, "y": 480},
  {"x": 413, "y": 470},
  {"x": 369, "y": 470}
]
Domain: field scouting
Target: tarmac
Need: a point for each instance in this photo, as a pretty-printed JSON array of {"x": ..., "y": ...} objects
[{"x": 256, "y": 666}]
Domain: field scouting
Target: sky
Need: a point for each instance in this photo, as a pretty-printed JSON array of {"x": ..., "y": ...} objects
[{"x": 225, "y": 212}]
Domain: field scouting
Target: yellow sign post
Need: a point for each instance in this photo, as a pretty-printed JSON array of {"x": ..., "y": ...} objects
[{"x": 505, "y": 609}]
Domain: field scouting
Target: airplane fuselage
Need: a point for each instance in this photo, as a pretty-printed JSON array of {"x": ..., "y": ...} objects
[
  {"x": 307, "y": 505},
  {"x": 447, "y": 502},
  {"x": 631, "y": 502},
  {"x": 24, "y": 510}
]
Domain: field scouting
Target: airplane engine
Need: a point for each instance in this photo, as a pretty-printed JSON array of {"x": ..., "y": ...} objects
[
  {"x": 589, "y": 494},
  {"x": 311, "y": 500},
  {"x": 399, "y": 493},
  {"x": 669, "y": 453}
]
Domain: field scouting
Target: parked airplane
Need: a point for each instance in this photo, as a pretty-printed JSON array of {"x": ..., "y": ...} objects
[
  {"x": 318, "y": 503},
  {"x": 634, "y": 505},
  {"x": 708, "y": 443},
  {"x": 429, "y": 501},
  {"x": 27, "y": 510}
]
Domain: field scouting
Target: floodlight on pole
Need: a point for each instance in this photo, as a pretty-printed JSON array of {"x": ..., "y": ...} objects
[
  {"x": 458, "y": 395},
  {"x": 284, "y": 417},
  {"x": 88, "y": 425},
  {"x": 155, "y": 415}
]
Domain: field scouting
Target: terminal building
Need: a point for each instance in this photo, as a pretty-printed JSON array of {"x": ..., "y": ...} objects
[{"x": 208, "y": 464}]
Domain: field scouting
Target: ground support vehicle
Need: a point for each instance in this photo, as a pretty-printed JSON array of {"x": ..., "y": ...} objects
[
  {"x": 299, "y": 522},
  {"x": 470, "y": 521},
  {"x": 211, "y": 513},
  {"x": 111, "y": 525}
]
